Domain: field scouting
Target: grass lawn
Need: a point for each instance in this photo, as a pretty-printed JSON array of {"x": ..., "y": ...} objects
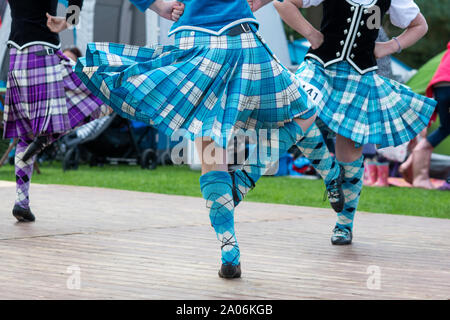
[{"x": 179, "y": 180}]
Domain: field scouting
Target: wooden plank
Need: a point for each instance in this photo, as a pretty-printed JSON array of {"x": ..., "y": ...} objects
[{"x": 132, "y": 245}]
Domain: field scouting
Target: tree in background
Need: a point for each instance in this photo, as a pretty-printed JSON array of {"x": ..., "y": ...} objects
[{"x": 437, "y": 13}]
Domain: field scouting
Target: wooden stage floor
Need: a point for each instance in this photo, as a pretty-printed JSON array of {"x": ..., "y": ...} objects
[{"x": 90, "y": 243}]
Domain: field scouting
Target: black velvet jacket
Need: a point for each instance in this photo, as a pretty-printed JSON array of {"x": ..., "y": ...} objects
[
  {"x": 350, "y": 31},
  {"x": 29, "y": 22}
]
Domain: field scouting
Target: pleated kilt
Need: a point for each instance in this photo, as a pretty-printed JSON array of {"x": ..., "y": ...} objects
[
  {"x": 365, "y": 108},
  {"x": 210, "y": 86},
  {"x": 45, "y": 96}
]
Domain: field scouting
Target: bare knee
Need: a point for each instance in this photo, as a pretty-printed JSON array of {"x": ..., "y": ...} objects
[
  {"x": 306, "y": 123},
  {"x": 212, "y": 157},
  {"x": 346, "y": 150}
]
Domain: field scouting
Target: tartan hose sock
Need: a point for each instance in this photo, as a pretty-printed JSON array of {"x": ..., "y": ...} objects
[
  {"x": 216, "y": 187},
  {"x": 313, "y": 147},
  {"x": 24, "y": 171},
  {"x": 353, "y": 183},
  {"x": 245, "y": 179}
]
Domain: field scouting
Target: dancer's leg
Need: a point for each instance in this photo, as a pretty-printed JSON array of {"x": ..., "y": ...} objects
[
  {"x": 351, "y": 159},
  {"x": 308, "y": 138},
  {"x": 252, "y": 170},
  {"x": 39, "y": 144},
  {"x": 216, "y": 186},
  {"x": 313, "y": 147},
  {"x": 24, "y": 171}
]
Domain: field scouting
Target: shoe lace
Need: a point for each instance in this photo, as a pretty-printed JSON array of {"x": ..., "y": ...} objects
[
  {"x": 332, "y": 191},
  {"x": 340, "y": 232},
  {"x": 230, "y": 241}
]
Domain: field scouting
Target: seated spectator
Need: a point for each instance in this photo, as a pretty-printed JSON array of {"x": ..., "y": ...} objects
[
  {"x": 73, "y": 53},
  {"x": 416, "y": 169}
]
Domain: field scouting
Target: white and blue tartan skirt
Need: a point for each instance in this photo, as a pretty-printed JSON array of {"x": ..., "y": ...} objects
[
  {"x": 365, "y": 108},
  {"x": 210, "y": 86}
]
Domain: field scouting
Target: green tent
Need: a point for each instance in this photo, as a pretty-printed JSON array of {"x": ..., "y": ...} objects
[{"x": 419, "y": 82}]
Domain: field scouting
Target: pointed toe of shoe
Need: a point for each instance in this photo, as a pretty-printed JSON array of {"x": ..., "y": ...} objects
[
  {"x": 23, "y": 215},
  {"x": 229, "y": 271}
]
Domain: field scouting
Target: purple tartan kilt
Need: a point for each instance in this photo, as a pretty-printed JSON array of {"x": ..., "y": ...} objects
[{"x": 45, "y": 96}]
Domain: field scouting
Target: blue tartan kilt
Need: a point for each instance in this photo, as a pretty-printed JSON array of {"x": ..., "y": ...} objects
[
  {"x": 210, "y": 86},
  {"x": 364, "y": 108}
]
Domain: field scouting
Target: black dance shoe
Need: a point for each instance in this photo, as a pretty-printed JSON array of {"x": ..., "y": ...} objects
[
  {"x": 23, "y": 215},
  {"x": 336, "y": 193},
  {"x": 35, "y": 147},
  {"x": 228, "y": 271},
  {"x": 341, "y": 236}
]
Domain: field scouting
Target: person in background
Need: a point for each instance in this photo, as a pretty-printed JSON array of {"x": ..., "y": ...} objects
[
  {"x": 73, "y": 53},
  {"x": 446, "y": 185},
  {"x": 416, "y": 169}
]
